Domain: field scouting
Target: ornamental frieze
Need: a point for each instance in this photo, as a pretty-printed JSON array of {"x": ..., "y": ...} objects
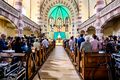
[{"x": 6, "y": 7}]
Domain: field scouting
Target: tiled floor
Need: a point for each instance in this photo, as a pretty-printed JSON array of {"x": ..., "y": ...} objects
[{"x": 58, "y": 67}]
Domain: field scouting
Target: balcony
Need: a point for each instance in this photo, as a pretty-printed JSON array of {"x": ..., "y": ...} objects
[
  {"x": 110, "y": 7},
  {"x": 8, "y": 8},
  {"x": 11, "y": 10},
  {"x": 29, "y": 22}
]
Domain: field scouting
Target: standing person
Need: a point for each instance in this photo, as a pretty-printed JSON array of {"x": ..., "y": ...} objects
[
  {"x": 24, "y": 45},
  {"x": 75, "y": 47},
  {"x": 10, "y": 40},
  {"x": 36, "y": 44},
  {"x": 76, "y": 40},
  {"x": 18, "y": 45},
  {"x": 71, "y": 45},
  {"x": 80, "y": 40},
  {"x": 95, "y": 44},
  {"x": 45, "y": 43},
  {"x": 3, "y": 45},
  {"x": 110, "y": 46},
  {"x": 86, "y": 46}
]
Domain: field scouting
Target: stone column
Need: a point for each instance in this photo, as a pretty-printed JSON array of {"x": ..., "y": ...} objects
[
  {"x": 18, "y": 5},
  {"x": 99, "y": 6},
  {"x": 79, "y": 14}
]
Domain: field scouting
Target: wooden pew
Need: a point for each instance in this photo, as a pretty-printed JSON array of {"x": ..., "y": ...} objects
[
  {"x": 94, "y": 66},
  {"x": 78, "y": 59},
  {"x": 35, "y": 60}
]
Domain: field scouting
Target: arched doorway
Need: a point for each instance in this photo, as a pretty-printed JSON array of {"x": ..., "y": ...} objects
[
  {"x": 7, "y": 27},
  {"x": 91, "y": 30},
  {"x": 112, "y": 27},
  {"x": 27, "y": 31}
]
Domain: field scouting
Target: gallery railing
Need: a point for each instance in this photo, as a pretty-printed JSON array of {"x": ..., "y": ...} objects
[{"x": 110, "y": 7}]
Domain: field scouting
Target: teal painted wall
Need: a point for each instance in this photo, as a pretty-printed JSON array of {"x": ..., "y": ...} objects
[{"x": 62, "y": 35}]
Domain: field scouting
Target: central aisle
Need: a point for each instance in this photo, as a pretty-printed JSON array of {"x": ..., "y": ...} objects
[{"x": 58, "y": 67}]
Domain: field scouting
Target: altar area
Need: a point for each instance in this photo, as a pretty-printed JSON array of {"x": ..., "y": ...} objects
[
  {"x": 59, "y": 23},
  {"x": 59, "y": 37},
  {"x": 59, "y": 42}
]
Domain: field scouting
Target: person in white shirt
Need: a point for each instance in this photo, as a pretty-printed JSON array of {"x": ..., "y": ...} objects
[
  {"x": 36, "y": 45},
  {"x": 45, "y": 43},
  {"x": 71, "y": 44}
]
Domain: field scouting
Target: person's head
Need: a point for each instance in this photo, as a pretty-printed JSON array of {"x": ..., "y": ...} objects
[
  {"x": 18, "y": 39},
  {"x": 87, "y": 39},
  {"x": 3, "y": 36},
  {"x": 8, "y": 38},
  {"x": 94, "y": 36},
  {"x": 115, "y": 38},
  {"x": 32, "y": 35},
  {"x": 72, "y": 37},
  {"x": 11, "y": 38},
  {"x": 36, "y": 40},
  {"x": 81, "y": 35},
  {"x": 111, "y": 37}
]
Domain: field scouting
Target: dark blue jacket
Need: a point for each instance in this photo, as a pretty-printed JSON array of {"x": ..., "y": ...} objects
[
  {"x": 3, "y": 45},
  {"x": 80, "y": 40},
  {"x": 76, "y": 40}
]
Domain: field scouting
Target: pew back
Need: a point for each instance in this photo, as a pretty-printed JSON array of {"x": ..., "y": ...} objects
[{"x": 94, "y": 66}]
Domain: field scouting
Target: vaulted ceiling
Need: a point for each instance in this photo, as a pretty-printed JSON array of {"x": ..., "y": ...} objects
[
  {"x": 46, "y": 5},
  {"x": 59, "y": 11}
]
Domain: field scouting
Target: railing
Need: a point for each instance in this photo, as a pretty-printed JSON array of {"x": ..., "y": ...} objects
[
  {"x": 113, "y": 5},
  {"x": 89, "y": 21},
  {"x": 12, "y": 66},
  {"x": 5, "y": 6},
  {"x": 8, "y": 8},
  {"x": 30, "y": 22}
]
